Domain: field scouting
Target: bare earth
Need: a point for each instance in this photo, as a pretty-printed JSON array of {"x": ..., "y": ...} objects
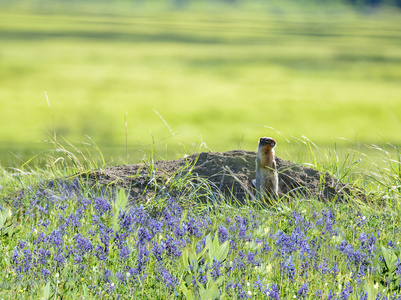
[{"x": 229, "y": 173}]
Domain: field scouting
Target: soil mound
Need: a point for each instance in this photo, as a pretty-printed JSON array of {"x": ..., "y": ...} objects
[{"x": 229, "y": 173}]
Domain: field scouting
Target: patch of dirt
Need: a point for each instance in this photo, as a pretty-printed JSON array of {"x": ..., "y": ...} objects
[{"x": 230, "y": 173}]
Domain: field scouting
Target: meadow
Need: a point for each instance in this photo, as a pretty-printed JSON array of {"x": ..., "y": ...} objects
[
  {"x": 219, "y": 78},
  {"x": 187, "y": 81}
]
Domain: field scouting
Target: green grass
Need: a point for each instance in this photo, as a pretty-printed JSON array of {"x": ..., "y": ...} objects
[{"x": 218, "y": 79}]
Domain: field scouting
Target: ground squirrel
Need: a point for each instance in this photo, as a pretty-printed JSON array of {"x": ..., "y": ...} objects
[{"x": 266, "y": 182}]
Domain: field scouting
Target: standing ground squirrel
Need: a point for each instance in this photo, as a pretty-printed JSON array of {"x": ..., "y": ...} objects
[{"x": 266, "y": 171}]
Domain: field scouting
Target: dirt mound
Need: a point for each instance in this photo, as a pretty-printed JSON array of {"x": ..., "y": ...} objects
[{"x": 229, "y": 173}]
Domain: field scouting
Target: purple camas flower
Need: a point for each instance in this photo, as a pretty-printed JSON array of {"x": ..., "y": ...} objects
[
  {"x": 170, "y": 220},
  {"x": 364, "y": 296},
  {"x": 274, "y": 293},
  {"x": 202, "y": 278},
  {"x": 59, "y": 257},
  {"x": 155, "y": 226},
  {"x": 233, "y": 228},
  {"x": 329, "y": 220},
  {"x": 346, "y": 292},
  {"x": 21, "y": 244},
  {"x": 126, "y": 220},
  {"x": 55, "y": 238},
  {"x": 284, "y": 243},
  {"x": 334, "y": 270},
  {"x": 215, "y": 271},
  {"x": 124, "y": 252},
  {"x": 172, "y": 247},
  {"x": 77, "y": 259},
  {"x": 265, "y": 248},
  {"x": 238, "y": 290},
  {"x": 106, "y": 234},
  {"x": 120, "y": 276},
  {"x": 288, "y": 268},
  {"x": 258, "y": 284},
  {"x": 44, "y": 223},
  {"x": 318, "y": 294},
  {"x": 355, "y": 257},
  {"x": 102, "y": 205},
  {"x": 101, "y": 253},
  {"x": 398, "y": 267},
  {"x": 106, "y": 275},
  {"x": 368, "y": 243},
  {"x": 83, "y": 245},
  {"x": 120, "y": 238},
  {"x": 242, "y": 232},
  {"x": 170, "y": 281},
  {"x": 193, "y": 227},
  {"x": 85, "y": 202},
  {"x": 174, "y": 208},
  {"x": 143, "y": 257},
  {"x": 45, "y": 272},
  {"x": 304, "y": 268},
  {"x": 323, "y": 267},
  {"x": 43, "y": 255},
  {"x": 238, "y": 263},
  {"x": 179, "y": 231},
  {"x": 303, "y": 290},
  {"x": 223, "y": 234},
  {"x": 251, "y": 258},
  {"x": 73, "y": 220},
  {"x": 143, "y": 236},
  {"x": 331, "y": 295}
]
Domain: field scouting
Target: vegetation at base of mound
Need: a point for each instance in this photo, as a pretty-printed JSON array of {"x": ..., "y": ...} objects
[{"x": 62, "y": 238}]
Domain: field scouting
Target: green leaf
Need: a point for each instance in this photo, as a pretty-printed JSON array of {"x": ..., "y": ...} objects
[
  {"x": 202, "y": 253},
  {"x": 209, "y": 277},
  {"x": 390, "y": 258},
  {"x": 184, "y": 288},
  {"x": 222, "y": 252},
  {"x": 208, "y": 242},
  {"x": 193, "y": 261},
  {"x": 2, "y": 221},
  {"x": 220, "y": 280},
  {"x": 211, "y": 293},
  {"x": 216, "y": 243},
  {"x": 122, "y": 199},
  {"x": 188, "y": 279},
  {"x": 45, "y": 291},
  {"x": 370, "y": 289},
  {"x": 185, "y": 256},
  {"x": 5, "y": 215}
]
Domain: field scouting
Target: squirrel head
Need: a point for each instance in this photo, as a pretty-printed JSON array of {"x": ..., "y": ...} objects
[{"x": 267, "y": 143}]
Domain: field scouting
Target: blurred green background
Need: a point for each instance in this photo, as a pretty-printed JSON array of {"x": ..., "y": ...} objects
[{"x": 192, "y": 76}]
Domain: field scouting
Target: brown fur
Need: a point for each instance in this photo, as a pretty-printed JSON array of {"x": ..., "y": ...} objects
[{"x": 266, "y": 171}]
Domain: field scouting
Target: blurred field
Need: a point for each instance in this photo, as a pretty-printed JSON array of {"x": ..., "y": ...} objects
[{"x": 219, "y": 80}]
